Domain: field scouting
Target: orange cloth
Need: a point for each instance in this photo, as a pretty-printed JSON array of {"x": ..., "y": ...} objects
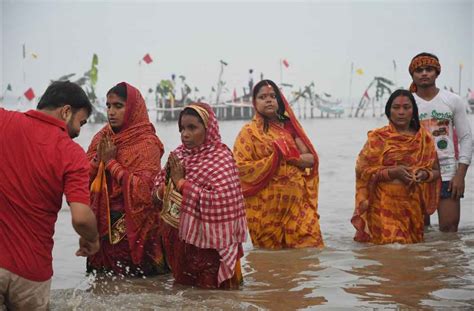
[
  {"x": 281, "y": 199},
  {"x": 388, "y": 211},
  {"x": 126, "y": 183}
]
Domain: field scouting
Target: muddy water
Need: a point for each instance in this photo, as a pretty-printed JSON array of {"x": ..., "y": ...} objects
[{"x": 437, "y": 274}]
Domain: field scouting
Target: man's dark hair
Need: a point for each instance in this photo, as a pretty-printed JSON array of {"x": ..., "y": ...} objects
[
  {"x": 426, "y": 54},
  {"x": 61, "y": 93},
  {"x": 415, "y": 119}
]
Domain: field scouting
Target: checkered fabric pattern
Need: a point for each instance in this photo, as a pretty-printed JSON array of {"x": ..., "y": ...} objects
[{"x": 212, "y": 213}]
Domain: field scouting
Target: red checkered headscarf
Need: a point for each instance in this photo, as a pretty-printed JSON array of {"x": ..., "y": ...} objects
[
  {"x": 420, "y": 61},
  {"x": 212, "y": 211}
]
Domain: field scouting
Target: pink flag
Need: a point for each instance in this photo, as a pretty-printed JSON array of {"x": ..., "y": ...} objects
[{"x": 286, "y": 63}]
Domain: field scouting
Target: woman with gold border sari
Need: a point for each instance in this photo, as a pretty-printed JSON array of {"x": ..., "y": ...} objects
[
  {"x": 397, "y": 177},
  {"x": 125, "y": 156},
  {"x": 278, "y": 169}
]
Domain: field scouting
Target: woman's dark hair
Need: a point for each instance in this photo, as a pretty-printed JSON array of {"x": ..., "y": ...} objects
[
  {"x": 61, "y": 93},
  {"x": 281, "y": 105},
  {"x": 120, "y": 90},
  {"x": 415, "y": 120},
  {"x": 189, "y": 112}
]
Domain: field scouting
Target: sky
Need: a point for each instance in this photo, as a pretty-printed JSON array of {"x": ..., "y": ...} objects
[{"x": 319, "y": 39}]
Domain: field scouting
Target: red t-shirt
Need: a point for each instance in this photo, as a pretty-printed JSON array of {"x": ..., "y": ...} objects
[{"x": 38, "y": 163}]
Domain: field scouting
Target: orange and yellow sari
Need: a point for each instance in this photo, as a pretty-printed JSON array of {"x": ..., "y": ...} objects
[
  {"x": 390, "y": 211},
  {"x": 281, "y": 199}
]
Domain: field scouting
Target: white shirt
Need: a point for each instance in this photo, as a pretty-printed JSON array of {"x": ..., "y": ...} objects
[{"x": 442, "y": 116}]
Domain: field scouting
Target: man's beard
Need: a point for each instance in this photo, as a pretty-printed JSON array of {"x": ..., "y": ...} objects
[
  {"x": 425, "y": 86},
  {"x": 70, "y": 130}
]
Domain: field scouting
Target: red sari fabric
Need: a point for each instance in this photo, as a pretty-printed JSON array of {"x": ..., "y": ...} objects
[
  {"x": 389, "y": 211},
  {"x": 196, "y": 266},
  {"x": 212, "y": 216},
  {"x": 125, "y": 188}
]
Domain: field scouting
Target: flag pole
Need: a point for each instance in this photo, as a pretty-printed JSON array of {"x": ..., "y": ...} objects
[
  {"x": 395, "y": 74},
  {"x": 460, "y": 75},
  {"x": 219, "y": 82},
  {"x": 23, "y": 64},
  {"x": 281, "y": 72},
  {"x": 20, "y": 99},
  {"x": 350, "y": 88},
  {"x": 140, "y": 86},
  {"x": 3, "y": 97}
]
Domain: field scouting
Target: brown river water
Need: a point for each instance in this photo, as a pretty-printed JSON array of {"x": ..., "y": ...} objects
[{"x": 435, "y": 275}]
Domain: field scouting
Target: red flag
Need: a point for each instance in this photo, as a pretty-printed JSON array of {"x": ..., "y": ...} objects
[
  {"x": 29, "y": 94},
  {"x": 286, "y": 63},
  {"x": 147, "y": 58},
  {"x": 234, "y": 94}
]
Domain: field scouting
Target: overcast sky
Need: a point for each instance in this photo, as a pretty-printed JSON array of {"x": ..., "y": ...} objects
[{"x": 319, "y": 39}]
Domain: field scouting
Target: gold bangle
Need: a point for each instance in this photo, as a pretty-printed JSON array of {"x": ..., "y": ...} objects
[
  {"x": 383, "y": 175},
  {"x": 430, "y": 176},
  {"x": 157, "y": 195},
  {"x": 386, "y": 175}
]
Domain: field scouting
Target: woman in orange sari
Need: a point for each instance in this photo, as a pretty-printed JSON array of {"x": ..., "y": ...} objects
[
  {"x": 202, "y": 205},
  {"x": 397, "y": 177},
  {"x": 278, "y": 168},
  {"x": 125, "y": 156}
]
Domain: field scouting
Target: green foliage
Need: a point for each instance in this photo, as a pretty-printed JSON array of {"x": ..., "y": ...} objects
[{"x": 164, "y": 88}]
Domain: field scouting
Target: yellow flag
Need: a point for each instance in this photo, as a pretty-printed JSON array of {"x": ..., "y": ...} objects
[
  {"x": 34, "y": 55},
  {"x": 359, "y": 71}
]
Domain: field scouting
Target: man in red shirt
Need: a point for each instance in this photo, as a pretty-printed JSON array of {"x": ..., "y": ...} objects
[{"x": 39, "y": 162}]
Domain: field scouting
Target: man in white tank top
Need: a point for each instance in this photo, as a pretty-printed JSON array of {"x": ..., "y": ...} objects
[{"x": 443, "y": 114}]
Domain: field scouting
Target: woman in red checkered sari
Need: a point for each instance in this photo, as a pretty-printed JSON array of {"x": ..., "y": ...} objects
[{"x": 202, "y": 204}]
